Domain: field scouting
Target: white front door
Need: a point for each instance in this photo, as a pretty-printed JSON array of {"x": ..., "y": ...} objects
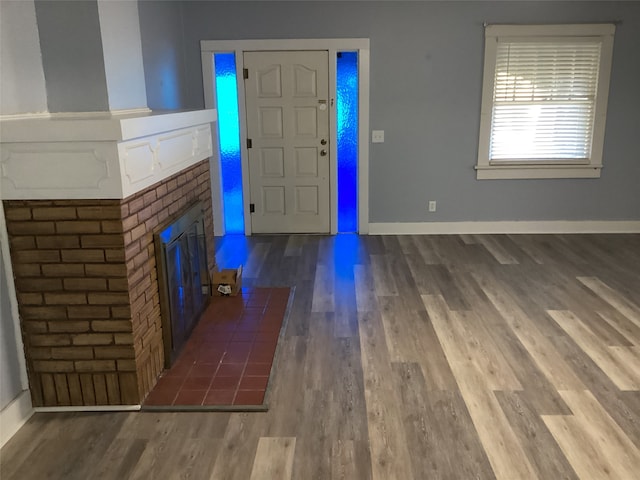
[{"x": 287, "y": 102}]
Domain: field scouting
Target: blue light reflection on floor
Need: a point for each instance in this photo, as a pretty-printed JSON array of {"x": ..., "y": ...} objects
[
  {"x": 229, "y": 138},
  {"x": 347, "y": 126}
]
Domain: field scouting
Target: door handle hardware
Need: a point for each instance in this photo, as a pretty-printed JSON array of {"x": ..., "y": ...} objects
[{"x": 323, "y": 153}]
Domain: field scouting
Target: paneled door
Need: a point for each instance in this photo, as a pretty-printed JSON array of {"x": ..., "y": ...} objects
[{"x": 287, "y": 102}]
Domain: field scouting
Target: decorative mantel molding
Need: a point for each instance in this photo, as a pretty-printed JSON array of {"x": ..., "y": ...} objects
[{"x": 99, "y": 155}]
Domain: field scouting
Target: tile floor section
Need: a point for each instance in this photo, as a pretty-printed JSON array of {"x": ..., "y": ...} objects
[{"x": 227, "y": 360}]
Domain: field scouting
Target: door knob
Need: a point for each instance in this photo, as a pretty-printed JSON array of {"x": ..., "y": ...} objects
[
  {"x": 323, "y": 142},
  {"x": 323, "y": 153}
]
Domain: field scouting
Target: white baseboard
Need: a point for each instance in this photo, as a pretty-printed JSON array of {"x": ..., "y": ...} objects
[
  {"x": 14, "y": 415},
  {"x": 89, "y": 408},
  {"x": 540, "y": 227}
]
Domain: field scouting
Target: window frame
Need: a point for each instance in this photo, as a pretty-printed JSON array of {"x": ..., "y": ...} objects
[{"x": 485, "y": 168}]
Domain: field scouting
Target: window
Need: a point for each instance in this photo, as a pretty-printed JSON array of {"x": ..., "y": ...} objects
[{"x": 544, "y": 100}]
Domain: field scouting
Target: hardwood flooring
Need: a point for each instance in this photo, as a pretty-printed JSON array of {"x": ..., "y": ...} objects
[{"x": 405, "y": 357}]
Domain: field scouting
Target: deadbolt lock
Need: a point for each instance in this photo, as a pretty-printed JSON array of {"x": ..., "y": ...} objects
[{"x": 323, "y": 142}]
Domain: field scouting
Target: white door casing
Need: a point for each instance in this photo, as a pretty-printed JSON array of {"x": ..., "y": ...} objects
[
  {"x": 287, "y": 113},
  {"x": 333, "y": 45}
]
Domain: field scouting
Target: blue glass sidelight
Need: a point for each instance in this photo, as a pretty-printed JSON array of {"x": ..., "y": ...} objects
[
  {"x": 347, "y": 126},
  {"x": 229, "y": 139}
]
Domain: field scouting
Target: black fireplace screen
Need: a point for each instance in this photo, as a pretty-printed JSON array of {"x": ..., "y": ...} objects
[{"x": 183, "y": 278}]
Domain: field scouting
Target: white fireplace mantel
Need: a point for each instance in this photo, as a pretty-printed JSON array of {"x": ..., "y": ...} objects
[{"x": 99, "y": 155}]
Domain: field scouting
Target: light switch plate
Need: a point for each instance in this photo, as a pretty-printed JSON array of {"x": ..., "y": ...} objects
[{"x": 377, "y": 136}]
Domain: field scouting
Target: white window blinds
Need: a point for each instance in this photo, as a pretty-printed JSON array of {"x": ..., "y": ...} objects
[{"x": 544, "y": 100}]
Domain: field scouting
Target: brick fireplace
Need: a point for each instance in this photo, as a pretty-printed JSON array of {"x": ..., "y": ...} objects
[
  {"x": 86, "y": 280},
  {"x": 83, "y": 195}
]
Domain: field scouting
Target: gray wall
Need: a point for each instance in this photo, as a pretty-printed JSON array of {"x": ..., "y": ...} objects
[
  {"x": 10, "y": 383},
  {"x": 72, "y": 56},
  {"x": 163, "y": 53},
  {"x": 22, "y": 87},
  {"x": 426, "y": 78},
  {"x": 22, "y": 90}
]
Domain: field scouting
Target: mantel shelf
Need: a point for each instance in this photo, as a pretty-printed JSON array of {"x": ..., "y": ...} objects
[
  {"x": 99, "y": 155},
  {"x": 99, "y": 126}
]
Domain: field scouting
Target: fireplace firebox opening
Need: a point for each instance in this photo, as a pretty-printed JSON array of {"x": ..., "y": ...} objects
[{"x": 183, "y": 278}]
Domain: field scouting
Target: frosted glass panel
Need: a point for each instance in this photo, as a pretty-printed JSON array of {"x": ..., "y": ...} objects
[
  {"x": 347, "y": 123},
  {"x": 229, "y": 138}
]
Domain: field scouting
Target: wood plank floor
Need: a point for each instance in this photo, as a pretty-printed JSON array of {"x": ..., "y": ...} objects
[{"x": 405, "y": 357}]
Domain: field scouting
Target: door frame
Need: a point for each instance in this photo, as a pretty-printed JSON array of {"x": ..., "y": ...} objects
[{"x": 333, "y": 45}]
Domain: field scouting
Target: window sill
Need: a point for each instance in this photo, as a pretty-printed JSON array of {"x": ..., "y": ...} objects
[{"x": 504, "y": 172}]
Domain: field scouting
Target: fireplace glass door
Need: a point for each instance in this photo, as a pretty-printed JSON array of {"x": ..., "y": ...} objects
[{"x": 183, "y": 278}]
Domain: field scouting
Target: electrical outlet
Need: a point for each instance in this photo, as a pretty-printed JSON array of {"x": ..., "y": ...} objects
[
  {"x": 432, "y": 205},
  {"x": 377, "y": 136}
]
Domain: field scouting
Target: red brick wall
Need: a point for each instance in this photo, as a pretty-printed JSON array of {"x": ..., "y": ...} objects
[
  {"x": 144, "y": 214},
  {"x": 68, "y": 260},
  {"x": 88, "y": 293}
]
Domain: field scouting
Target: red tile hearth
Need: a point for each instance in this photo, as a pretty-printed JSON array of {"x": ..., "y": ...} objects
[{"x": 227, "y": 361}]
